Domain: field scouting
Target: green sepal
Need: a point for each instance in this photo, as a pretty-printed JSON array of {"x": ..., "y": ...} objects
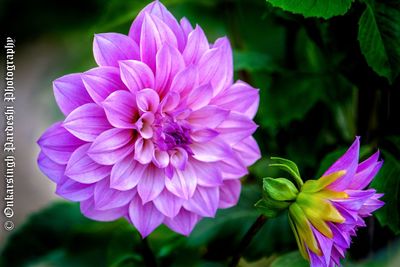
[
  {"x": 289, "y": 167},
  {"x": 270, "y": 207},
  {"x": 280, "y": 189}
]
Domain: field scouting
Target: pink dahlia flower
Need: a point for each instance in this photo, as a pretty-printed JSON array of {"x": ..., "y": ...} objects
[
  {"x": 158, "y": 133},
  {"x": 327, "y": 212}
]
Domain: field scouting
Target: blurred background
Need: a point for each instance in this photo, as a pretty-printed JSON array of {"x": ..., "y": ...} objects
[{"x": 318, "y": 88}]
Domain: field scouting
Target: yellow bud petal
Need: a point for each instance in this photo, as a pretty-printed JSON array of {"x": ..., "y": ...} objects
[
  {"x": 318, "y": 208},
  {"x": 312, "y": 186},
  {"x": 303, "y": 228},
  {"x": 329, "y": 194},
  {"x": 299, "y": 242},
  {"x": 319, "y": 224}
]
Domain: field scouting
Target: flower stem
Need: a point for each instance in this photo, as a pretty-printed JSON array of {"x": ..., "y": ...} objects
[
  {"x": 148, "y": 255},
  {"x": 244, "y": 243}
]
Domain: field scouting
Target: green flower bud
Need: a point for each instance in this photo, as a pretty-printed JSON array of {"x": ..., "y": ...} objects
[{"x": 280, "y": 189}]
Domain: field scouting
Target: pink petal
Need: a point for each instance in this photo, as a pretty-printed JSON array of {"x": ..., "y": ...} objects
[
  {"x": 208, "y": 117},
  {"x": 145, "y": 217},
  {"x": 101, "y": 82},
  {"x": 58, "y": 144},
  {"x": 147, "y": 100},
  {"x": 371, "y": 205},
  {"x": 74, "y": 191},
  {"x": 121, "y": 109},
  {"x": 356, "y": 199},
  {"x": 372, "y": 160},
  {"x": 347, "y": 162},
  {"x": 157, "y": 9},
  {"x": 109, "y": 48},
  {"x": 239, "y": 97},
  {"x": 144, "y": 149},
  {"x": 207, "y": 174},
  {"x": 83, "y": 169},
  {"x": 200, "y": 97},
  {"x": 126, "y": 173},
  {"x": 136, "y": 75},
  {"x": 183, "y": 183},
  {"x": 232, "y": 167},
  {"x": 70, "y": 92},
  {"x": 248, "y": 150},
  {"x": 168, "y": 204},
  {"x": 169, "y": 103},
  {"x": 235, "y": 128},
  {"x": 168, "y": 63},
  {"x": 179, "y": 158},
  {"x": 204, "y": 201},
  {"x": 87, "y": 122},
  {"x": 211, "y": 151},
  {"x": 229, "y": 193},
  {"x": 203, "y": 135},
  {"x": 315, "y": 260},
  {"x": 89, "y": 210},
  {"x": 196, "y": 46},
  {"x": 183, "y": 223},
  {"x": 151, "y": 183},
  {"x": 362, "y": 179},
  {"x": 106, "y": 198},
  {"x": 160, "y": 158},
  {"x": 186, "y": 26},
  {"x": 366, "y": 171},
  {"x": 185, "y": 80},
  {"x": 325, "y": 245},
  {"x": 216, "y": 66},
  {"x": 153, "y": 35},
  {"x": 111, "y": 146},
  {"x": 145, "y": 125},
  {"x": 340, "y": 238},
  {"x": 50, "y": 168}
]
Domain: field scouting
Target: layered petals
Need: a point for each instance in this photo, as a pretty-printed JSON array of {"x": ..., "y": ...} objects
[
  {"x": 70, "y": 92},
  {"x": 121, "y": 110},
  {"x": 87, "y": 122},
  {"x": 111, "y": 146},
  {"x": 157, "y": 133},
  {"x": 101, "y": 82},
  {"x": 83, "y": 169},
  {"x": 58, "y": 144},
  {"x": 109, "y": 48},
  {"x": 328, "y": 211},
  {"x": 145, "y": 217}
]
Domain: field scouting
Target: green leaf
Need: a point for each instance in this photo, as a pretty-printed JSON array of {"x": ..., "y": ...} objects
[
  {"x": 314, "y": 8},
  {"x": 379, "y": 38},
  {"x": 387, "y": 181},
  {"x": 221, "y": 235},
  {"x": 292, "y": 259},
  {"x": 254, "y": 61},
  {"x": 61, "y": 236}
]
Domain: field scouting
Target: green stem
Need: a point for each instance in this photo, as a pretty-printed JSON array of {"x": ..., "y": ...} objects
[
  {"x": 148, "y": 255},
  {"x": 244, "y": 243}
]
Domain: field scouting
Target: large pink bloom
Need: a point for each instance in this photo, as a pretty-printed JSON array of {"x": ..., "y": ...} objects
[{"x": 158, "y": 133}]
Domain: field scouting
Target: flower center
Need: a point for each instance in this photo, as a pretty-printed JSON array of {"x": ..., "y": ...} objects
[{"x": 170, "y": 134}]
